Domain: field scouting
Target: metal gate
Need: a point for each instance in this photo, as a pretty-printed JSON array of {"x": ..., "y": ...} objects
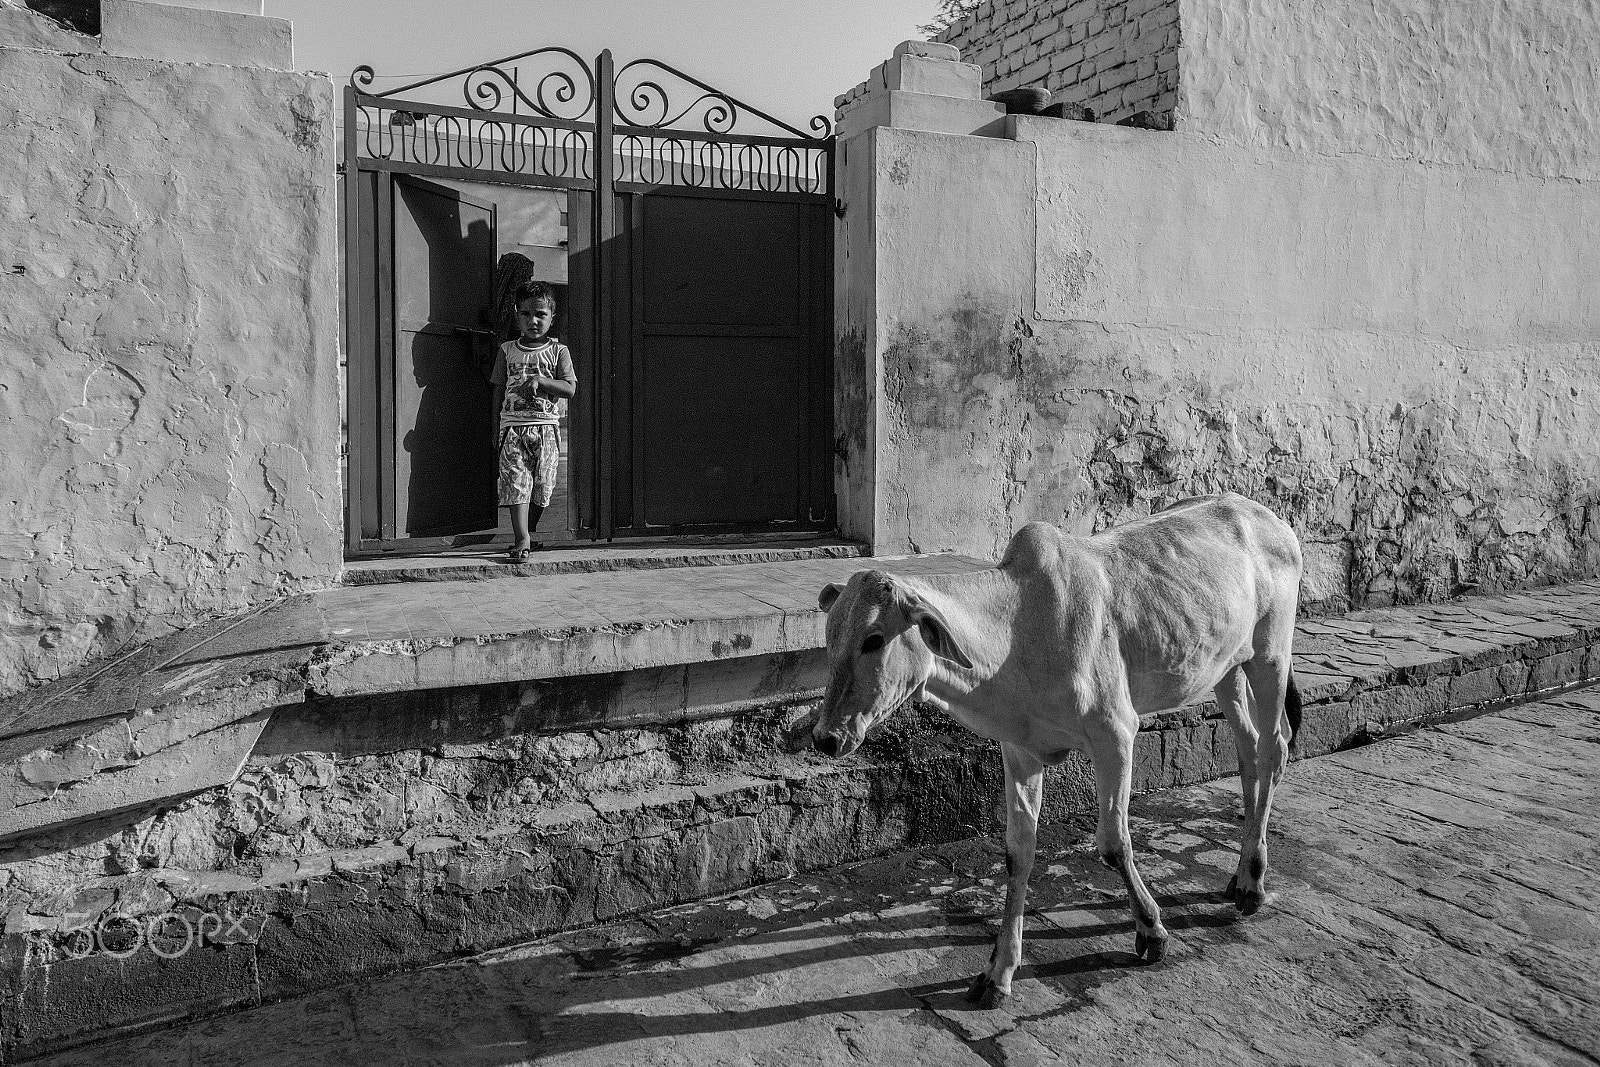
[{"x": 697, "y": 302}]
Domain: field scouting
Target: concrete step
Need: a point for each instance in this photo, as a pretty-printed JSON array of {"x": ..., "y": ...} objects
[
  {"x": 182, "y": 714},
  {"x": 481, "y": 562}
]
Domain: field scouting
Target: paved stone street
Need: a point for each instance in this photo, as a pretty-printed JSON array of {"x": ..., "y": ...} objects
[{"x": 1432, "y": 902}]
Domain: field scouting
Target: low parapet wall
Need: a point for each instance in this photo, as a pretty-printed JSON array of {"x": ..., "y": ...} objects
[{"x": 372, "y": 834}]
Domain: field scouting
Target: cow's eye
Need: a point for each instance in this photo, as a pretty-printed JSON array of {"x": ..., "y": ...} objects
[{"x": 872, "y": 643}]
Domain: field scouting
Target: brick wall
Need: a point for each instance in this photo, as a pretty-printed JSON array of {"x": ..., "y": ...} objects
[{"x": 1116, "y": 56}]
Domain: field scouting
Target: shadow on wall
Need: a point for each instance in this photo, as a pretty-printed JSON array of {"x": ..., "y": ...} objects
[{"x": 80, "y": 15}]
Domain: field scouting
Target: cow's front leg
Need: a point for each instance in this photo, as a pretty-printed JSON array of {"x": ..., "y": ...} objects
[
  {"x": 1024, "y": 790},
  {"x": 1111, "y": 748}
]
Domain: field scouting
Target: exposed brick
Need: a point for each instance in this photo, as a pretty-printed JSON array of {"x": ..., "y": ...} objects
[
  {"x": 1080, "y": 13},
  {"x": 1103, "y": 45},
  {"x": 1155, "y": 20},
  {"x": 1036, "y": 71},
  {"x": 1066, "y": 57},
  {"x": 1116, "y": 77}
]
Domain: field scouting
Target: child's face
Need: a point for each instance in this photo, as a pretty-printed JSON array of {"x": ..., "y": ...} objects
[{"x": 534, "y": 316}]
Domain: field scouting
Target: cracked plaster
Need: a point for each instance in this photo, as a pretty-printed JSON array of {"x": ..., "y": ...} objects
[
  {"x": 1205, "y": 318},
  {"x": 167, "y": 314}
]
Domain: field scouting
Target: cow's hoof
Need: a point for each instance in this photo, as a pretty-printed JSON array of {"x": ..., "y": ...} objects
[
  {"x": 1232, "y": 892},
  {"x": 1249, "y": 901},
  {"x": 1149, "y": 947},
  {"x": 985, "y": 994}
]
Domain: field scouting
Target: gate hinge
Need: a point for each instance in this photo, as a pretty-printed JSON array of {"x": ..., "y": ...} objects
[{"x": 839, "y": 209}]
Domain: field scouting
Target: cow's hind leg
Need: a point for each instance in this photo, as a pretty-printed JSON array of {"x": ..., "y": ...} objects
[
  {"x": 1111, "y": 748},
  {"x": 1233, "y": 698},
  {"x": 1024, "y": 791},
  {"x": 1269, "y": 686}
]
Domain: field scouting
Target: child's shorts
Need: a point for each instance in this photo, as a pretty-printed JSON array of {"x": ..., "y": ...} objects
[{"x": 530, "y": 459}]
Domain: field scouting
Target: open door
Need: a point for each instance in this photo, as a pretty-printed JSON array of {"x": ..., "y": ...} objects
[{"x": 443, "y": 430}]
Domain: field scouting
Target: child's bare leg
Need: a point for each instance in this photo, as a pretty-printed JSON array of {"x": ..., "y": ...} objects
[
  {"x": 535, "y": 512},
  {"x": 519, "y": 524}
]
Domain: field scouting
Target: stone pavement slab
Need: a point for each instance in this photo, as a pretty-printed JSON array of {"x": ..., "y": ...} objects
[{"x": 1432, "y": 901}]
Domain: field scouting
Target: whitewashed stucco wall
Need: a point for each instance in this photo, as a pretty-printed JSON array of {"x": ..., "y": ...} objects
[
  {"x": 1402, "y": 358},
  {"x": 168, "y": 331},
  {"x": 1502, "y": 84}
]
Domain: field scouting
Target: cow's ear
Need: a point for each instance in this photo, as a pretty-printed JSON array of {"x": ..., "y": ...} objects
[
  {"x": 829, "y": 594},
  {"x": 936, "y": 632}
]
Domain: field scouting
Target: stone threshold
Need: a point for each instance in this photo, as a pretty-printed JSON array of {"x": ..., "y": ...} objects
[{"x": 484, "y": 562}]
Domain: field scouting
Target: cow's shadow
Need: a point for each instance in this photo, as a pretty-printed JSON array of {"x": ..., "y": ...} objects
[
  {"x": 719, "y": 980},
  {"x": 715, "y": 968}
]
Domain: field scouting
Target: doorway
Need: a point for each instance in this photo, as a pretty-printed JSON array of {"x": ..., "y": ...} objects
[{"x": 693, "y": 270}]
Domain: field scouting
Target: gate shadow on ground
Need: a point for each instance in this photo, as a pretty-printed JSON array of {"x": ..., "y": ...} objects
[
  {"x": 900, "y": 934},
  {"x": 580, "y": 991}
]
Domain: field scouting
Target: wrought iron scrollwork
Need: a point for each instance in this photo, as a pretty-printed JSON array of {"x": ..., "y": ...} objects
[
  {"x": 468, "y": 142},
  {"x": 564, "y": 91},
  {"x": 540, "y": 116},
  {"x": 643, "y": 100}
]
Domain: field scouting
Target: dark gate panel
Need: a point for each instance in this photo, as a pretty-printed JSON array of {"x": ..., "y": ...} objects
[{"x": 722, "y": 363}]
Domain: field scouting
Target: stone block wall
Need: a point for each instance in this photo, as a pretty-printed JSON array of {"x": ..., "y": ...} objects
[
  {"x": 1116, "y": 56},
  {"x": 168, "y": 328}
]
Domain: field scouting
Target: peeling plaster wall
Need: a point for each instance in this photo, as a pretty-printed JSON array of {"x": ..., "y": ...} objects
[
  {"x": 1400, "y": 358},
  {"x": 1503, "y": 84},
  {"x": 168, "y": 328}
]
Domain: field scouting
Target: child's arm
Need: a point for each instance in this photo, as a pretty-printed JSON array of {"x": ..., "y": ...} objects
[{"x": 566, "y": 382}]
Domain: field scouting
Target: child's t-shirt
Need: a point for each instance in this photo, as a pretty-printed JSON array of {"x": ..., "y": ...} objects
[{"x": 518, "y": 368}]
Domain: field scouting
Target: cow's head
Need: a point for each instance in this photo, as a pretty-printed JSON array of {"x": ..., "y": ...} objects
[{"x": 883, "y": 639}]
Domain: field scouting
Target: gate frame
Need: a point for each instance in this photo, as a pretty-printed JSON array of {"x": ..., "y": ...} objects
[{"x": 805, "y": 158}]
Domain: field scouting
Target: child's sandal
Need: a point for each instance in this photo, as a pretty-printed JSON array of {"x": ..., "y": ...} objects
[{"x": 517, "y": 555}]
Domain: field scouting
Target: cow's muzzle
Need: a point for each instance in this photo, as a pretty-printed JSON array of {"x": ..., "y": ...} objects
[{"x": 834, "y": 744}]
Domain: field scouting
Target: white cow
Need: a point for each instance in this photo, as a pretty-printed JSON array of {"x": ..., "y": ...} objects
[{"x": 1062, "y": 647}]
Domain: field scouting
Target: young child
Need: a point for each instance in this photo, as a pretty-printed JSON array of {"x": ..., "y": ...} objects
[{"x": 532, "y": 380}]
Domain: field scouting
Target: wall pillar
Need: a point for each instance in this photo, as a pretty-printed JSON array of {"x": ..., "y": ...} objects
[{"x": 936, "y": 207}]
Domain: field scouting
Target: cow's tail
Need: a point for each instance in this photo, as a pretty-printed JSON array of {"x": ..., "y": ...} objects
[{"x": 1291, "y": 708}]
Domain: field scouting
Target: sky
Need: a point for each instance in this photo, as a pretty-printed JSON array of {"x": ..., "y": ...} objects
[{"x": 787, "y": 57}]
